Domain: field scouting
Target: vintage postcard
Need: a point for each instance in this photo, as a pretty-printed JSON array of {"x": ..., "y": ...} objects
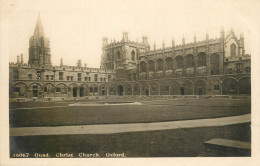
[{"x": 129, "y": 80}]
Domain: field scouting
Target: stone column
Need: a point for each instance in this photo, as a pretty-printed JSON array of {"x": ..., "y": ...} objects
[
  {"x": 169, "y": 90},
  {"x": 132, "y": 90},
  {"x": 149, "y": 90},
  {"x": 159, "y": 90}
]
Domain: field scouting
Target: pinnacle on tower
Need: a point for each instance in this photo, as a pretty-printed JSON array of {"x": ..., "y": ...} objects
[
  {"x": 173, "y": 42},
  {"x": 38, "y": 31},
  {"x": 163, "y": 45},
  {"x": 195, "y": 38},
  {"x": 207, "y": 35},
  {"x": 154, "y": 46}
]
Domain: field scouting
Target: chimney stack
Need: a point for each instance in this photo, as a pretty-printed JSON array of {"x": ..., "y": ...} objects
[
  {"x": 61, "y": 61},
  {"x": 22, "y": 59}
]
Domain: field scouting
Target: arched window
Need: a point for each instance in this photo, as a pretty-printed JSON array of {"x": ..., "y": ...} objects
[
  {"x": 133, "y": 55},
  {"x": 189, "y": 61},
  {"x": 233, "y": 50},
  {"x": 214, "y": 60},
  {"x": 168, "y": 63},
  {"x": 118, "y": 55},
  {"x": 142, "y": 67},
  {"x": 159, "y": 65},
  {"x": 151, "y": 65},
  {"x": 201, "y": 59},
  {"x": 179, "y": 62},
  {"x": 108, "y": 56}
]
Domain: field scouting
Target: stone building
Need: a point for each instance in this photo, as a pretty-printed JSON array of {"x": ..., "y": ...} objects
[{"x": 209, "y": 67}]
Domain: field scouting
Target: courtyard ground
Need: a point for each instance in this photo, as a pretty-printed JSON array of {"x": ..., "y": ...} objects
[
  {"x": 122, "y": 111},
  {"x": 183, "y": 142}
]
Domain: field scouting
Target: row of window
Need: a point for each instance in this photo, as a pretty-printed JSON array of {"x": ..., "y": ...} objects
[
  {"x": 239, "y": 69},
  {"x": 189, "y": 62}
]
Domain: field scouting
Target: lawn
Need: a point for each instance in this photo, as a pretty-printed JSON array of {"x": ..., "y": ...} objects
[{"x": 148, "y": 111}]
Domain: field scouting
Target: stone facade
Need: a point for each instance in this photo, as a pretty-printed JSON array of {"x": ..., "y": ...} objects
[{"x": 210, "y": 67}]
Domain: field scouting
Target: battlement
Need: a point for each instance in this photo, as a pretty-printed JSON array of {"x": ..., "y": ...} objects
[
  {"x": 183, "y": 46},
  {"x": 120, "y": 43}
]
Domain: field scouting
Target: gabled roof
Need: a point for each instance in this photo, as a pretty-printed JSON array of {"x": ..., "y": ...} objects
[{"x": 38, "y": 31}]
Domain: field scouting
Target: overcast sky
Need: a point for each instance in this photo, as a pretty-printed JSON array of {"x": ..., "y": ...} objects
[{"x": 75, "y": 28}]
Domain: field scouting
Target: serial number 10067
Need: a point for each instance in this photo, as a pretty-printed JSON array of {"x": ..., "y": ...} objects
[{"x": 20, "y": 154}]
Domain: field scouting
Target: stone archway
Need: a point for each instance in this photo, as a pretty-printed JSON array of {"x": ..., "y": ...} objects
[
  {"x": 120, "y": 90},
  {"x": 137, "y": 89},
  {"x": 200, "y": 87},
  {"x": 229, "y": 86},
  {"x": 18, "y": 90},
  {"x": 35, "y": 90}
]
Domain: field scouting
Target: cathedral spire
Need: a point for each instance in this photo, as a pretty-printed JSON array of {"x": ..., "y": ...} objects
[{"x": 38, "y": 31}]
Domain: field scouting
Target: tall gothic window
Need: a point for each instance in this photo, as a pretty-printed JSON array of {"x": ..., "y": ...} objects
[
  {"x": 159, "y": 65},
  {"x": 168, "y": 63},
  {"x": 233, "y": 50},
  {"x": 118, "y": 55},
  {"x": 201, "y": 59},
  {"x": 214, "y": 60},
  {"x": 189, "y": 61},
  {"x": 151, "y": 65},
  {"x": 179, "y": 62},
  {"x": 142, "y": 67},
  {"x": 133, "y": 55}
]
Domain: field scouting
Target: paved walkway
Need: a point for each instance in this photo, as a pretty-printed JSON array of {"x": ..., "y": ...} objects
[{"x": 130, "y": 127}]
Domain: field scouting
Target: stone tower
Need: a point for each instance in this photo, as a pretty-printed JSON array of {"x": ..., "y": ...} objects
[{"x": 39, "y": 47}]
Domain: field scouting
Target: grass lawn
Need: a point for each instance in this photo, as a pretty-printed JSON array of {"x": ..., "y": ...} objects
[
  {"x": 167, "y": 143},
  {"x": 149, "y": 111}
]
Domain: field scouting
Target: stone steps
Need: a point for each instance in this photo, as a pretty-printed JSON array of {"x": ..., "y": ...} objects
[{"x": 226, "y": 148}]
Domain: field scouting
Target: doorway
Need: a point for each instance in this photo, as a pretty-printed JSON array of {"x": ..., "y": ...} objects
[
  {"x": 120, "y": 90},
  {"x": 75, "y": 89},
  {"x": 81, "y": 92},
  {"x": 147, "y": 92},
  {"x": 182, "y": 90},
  {"x": 200, "y": 91}
]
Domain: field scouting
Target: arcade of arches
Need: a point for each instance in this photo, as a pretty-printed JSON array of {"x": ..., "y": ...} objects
[{"x": 198, "y": 86}]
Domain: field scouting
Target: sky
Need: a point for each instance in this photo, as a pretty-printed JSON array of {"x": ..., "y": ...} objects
[{"x": 76, "y": 28}]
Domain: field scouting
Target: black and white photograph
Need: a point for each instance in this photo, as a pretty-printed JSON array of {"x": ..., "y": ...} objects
[{"x": 129, "y": 79}]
